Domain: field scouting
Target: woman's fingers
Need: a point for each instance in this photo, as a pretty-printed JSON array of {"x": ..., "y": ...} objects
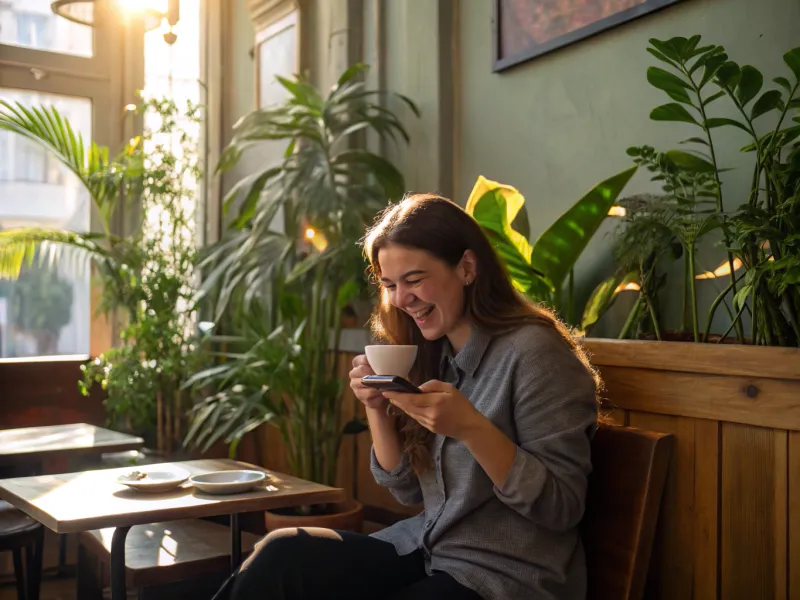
[
  {"x": 357, "y": 373},
  {"x": 435, "y": 386},
  {"x": 360, "y": 361},
  {"x": 369, "y": 397}
]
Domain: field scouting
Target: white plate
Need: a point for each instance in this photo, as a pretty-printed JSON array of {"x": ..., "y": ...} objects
[
  {"x": 155, "y": 480},
  {"x": 227, "y": 482}
]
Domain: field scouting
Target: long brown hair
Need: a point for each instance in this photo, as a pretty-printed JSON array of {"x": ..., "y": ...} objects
[{"x": 442, "y": 228}]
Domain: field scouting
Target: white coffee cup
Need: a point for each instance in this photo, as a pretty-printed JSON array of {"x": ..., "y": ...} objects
[{"x": 391, "y": 359}]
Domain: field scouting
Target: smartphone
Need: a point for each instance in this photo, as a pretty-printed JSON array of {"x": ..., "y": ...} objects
[{"x": 390, "y": 383}]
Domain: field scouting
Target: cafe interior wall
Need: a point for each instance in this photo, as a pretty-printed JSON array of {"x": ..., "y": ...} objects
[
  {"x": 556, "y": 125},
  {"x": 552, "y": 126}
]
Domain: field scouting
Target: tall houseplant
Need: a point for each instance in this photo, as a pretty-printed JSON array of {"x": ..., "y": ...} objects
[
  {"x": 160, "y": 345},
  {"x": 283, "y": 283},
  {"x": 108, "y": 181},
  {"x": 762, "y": 234}
]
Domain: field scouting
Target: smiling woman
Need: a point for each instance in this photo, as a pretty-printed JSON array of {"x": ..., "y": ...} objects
[
  {"x": 439, "y": 275},
  {"x": 496, "y": 440}
]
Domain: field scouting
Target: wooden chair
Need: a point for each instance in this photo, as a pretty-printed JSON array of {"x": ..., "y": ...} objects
[
  {"x": 177, "y": 559},
  {"x": 625, "y": 489},
  {"x": 20, "y": 532}
]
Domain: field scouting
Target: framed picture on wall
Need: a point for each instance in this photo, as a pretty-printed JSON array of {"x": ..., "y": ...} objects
[{"x": 525, "y": 29}]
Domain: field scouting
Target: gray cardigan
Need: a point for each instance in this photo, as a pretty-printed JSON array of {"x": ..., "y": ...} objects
[{"x": 519, "y": 541}]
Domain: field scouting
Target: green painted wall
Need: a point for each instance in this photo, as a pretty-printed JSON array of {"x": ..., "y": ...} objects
[
  {"x": 552, "y": 127},
  {"x": 239, "y": 92},
  {"x": 556, "y": 125}
]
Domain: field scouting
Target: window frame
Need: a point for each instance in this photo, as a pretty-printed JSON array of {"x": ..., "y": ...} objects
[{"x": 109, "y": 79}]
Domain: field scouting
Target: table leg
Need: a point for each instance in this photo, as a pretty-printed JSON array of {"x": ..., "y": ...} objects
[
  {"x": 236, "y": 543},
  {"x": 119, "y": 589}
]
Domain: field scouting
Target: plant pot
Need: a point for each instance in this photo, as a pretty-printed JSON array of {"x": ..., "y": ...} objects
[{"x": 347, "y": 516}]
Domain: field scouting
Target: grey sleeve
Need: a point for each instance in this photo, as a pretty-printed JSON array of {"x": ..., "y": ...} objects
[
  {"x": 555, "y": 414},
  {"x": 402, "y": 481}
]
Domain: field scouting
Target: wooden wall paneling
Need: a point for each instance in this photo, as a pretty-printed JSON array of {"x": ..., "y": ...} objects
[
  {"x": 751, "y": 401},
  {"x": 687, "y": 357},
  {"x": 706, "y": 509},
  {"x": 781, "y": 498},
  {"x": 793, "y": 513},
  {"x": 672, "y": 565},
  {"x": 345, "y": 476},
  {"x": 45, "y": 392},
  {"x": 618, "y": 416},
  {"x": 749, "y": 512}
]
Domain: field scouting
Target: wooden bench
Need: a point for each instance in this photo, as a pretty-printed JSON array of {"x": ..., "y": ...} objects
[
  {"x": 625, "y": 489},
  {"x": 176, "y": 559}
]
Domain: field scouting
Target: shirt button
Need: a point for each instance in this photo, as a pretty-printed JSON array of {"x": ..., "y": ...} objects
[
  {"x": 428, "y": 524},
  {"x": 426, "y": 554}
]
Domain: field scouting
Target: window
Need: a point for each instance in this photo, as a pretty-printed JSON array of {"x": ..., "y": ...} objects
[
  {"x": 32, "y": 24},
  {"x": 23, "y": 160},
  {"x": 276, "y": 47},
  {"x": 174, "y": 69},
  {"x": 30, "y": 162},
  {"x": 47, "y": 311},
  {"x": 33, "y": 30},
  {"x": 46, "y": 59}
]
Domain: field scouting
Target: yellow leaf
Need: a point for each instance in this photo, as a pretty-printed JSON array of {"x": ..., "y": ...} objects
[{"x": 514, "y": 200}]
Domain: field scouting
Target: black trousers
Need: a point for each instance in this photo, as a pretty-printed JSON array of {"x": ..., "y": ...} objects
[{"x": 323, "y": 564}]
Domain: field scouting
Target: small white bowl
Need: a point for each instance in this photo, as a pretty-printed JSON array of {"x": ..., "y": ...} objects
[
  {"x": 154, "y": 480},
  {"x": 227, "y": 482}
]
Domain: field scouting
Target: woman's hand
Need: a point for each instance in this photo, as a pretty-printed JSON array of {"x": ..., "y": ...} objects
[
  {"x": 369, "y": 397},
  {"x": 441, "y": 408}
]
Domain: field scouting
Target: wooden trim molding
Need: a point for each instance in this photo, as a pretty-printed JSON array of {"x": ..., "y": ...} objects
[
  {"x": 710, "y": 359},
  {"x": 265, "y": 12}
]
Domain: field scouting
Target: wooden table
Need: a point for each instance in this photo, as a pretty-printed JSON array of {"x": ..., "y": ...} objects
[
  {"x": 74, "y": 502},
  {"x": 35, "y": 444}
]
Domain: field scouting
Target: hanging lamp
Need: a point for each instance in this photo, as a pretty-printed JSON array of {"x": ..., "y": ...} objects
[{"x": 83, "y": 12}]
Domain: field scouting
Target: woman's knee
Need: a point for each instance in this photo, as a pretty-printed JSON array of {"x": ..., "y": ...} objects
[{"x": 285, "y": 548}]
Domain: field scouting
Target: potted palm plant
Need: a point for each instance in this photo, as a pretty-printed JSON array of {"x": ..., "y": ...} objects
[
  {"x": 107, "y": 180},
  {"x": 286, "y": 270}
]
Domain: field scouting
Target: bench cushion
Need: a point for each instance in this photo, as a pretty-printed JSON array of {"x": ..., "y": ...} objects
[
  {"x": 167, "y": 552},
  {"x": 14, "y": 523}
]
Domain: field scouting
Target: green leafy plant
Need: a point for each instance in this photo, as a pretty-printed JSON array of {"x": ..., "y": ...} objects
[
  {"x": 764, "y": 231},
  {"x": 144, "y": 377},
  {"x": 684, "y": 214},
  {"x": 543, "y": 268},
  {"x": 108, "y": 181},
  {"x": 298, "y": 273}
]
